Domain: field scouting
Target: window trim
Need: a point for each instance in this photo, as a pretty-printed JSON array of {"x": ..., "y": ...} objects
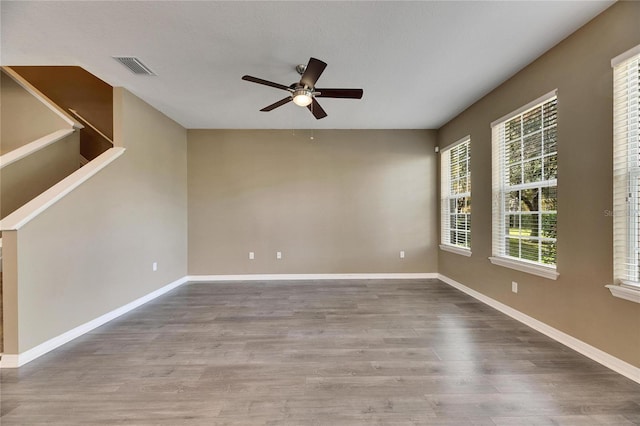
[
  {"x": 525, "y": 266},
  {"x": 456, "y": 143},
  {"x": 625, "y": 194},
  {"x": 498, "y": 194},
  {"x": 452, "y": 248},
  {"x": 623, "y": 292},
  {"x": 524, "y": 108},
  {"x": 625, "y": 56},
  {"x": 464, "y": 251}
]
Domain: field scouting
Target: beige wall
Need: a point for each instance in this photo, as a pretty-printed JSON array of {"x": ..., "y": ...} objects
[
  {"x": 345, "y": 202},
  {"x": 23, "y": 118},
  {"x": 28, "y": 177},
  {"x": 577, "y": 303},
  {"x": 92, "y": 251}
]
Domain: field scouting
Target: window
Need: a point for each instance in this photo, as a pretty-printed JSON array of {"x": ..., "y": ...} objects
[
  {"x": 525, "y": 166},
  {"x": 626, "y": 168},
  {"x": 455, "y": 193}
]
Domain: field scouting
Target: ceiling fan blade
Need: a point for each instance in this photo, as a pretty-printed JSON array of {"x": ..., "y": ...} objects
[
  {"x": 265, "y": 82},
  {"x": 315, "y": 67},
  {"x": 339, "y": 93},
  {"x": 277, "y": 104},
  {"x": 316, "y": 110}
]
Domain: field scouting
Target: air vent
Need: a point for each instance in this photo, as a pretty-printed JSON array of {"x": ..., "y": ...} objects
[{"x": 134, "y": 64}]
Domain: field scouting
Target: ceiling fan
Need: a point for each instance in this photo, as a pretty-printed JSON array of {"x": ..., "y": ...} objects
[{"x": 304, "y": 92}]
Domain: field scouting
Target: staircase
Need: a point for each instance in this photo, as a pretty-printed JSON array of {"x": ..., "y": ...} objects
[
  {"x": 74, "y": 89},
  {"x": 42, "y": 140}
]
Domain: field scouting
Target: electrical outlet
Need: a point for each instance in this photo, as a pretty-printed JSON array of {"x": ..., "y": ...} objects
[
  {"x": 278, "y": 255},
  {"x": 154, "y": 266},
  {"x": 401, "y": 254},
  {"x": 252, "y": 255},
  {"x": 514, "y": 286}
]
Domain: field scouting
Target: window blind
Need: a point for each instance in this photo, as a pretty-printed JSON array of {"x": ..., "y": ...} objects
[
  {"x": 455, "y": 193},
  {"x": 524, "y": 179},
  {"x": 626, "y": 170}
]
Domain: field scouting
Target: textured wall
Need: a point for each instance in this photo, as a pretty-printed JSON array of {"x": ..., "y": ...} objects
[
  {"x": 95, "y": 247},
  {"x": 23, "y": 118},
  {"x": 577, "y": 303},
  {"x": 73, "y": 87},
  {"x": 345, "y": 202},
  {"x": 30, "y": 176}
]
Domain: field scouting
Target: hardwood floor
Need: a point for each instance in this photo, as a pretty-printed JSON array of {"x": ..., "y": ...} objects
[
  {"x": 324, "y": 353},
  {"x": 1, "y": 317}
]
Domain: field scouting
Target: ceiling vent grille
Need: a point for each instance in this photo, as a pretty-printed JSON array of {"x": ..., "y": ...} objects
[{"x": 134, "y": 64}]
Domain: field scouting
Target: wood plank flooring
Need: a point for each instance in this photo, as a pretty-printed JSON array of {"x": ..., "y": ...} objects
[
  {"x": 1, "y": 317},
  {"x": 324, "y": 353}
]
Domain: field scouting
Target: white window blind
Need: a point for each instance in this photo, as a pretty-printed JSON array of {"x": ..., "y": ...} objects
[
  {"x": 524, "y": 166},
  {"x": 455, "y": 193},
  {"x": 626, "y": 170}
]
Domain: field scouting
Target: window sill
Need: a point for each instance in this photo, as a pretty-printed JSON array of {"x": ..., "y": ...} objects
[
  {"x": 541, "y": 271},
  {"x": 456, "y": 250},
  {"x": 624, "y": 292}
]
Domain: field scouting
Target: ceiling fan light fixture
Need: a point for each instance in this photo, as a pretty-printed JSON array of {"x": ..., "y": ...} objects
[
  {"x": 302, "y": 97},
  {"x": 304, "y": 92}
]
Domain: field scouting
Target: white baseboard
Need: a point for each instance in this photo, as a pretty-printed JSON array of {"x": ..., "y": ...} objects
[
  {"x": 18, "y": 360},
  {"x": 607, "y": 360},
  {"x": 311, "y": 277}
]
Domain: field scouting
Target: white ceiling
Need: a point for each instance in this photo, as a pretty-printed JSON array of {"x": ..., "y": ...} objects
[{"x": 419, "y": 63}]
